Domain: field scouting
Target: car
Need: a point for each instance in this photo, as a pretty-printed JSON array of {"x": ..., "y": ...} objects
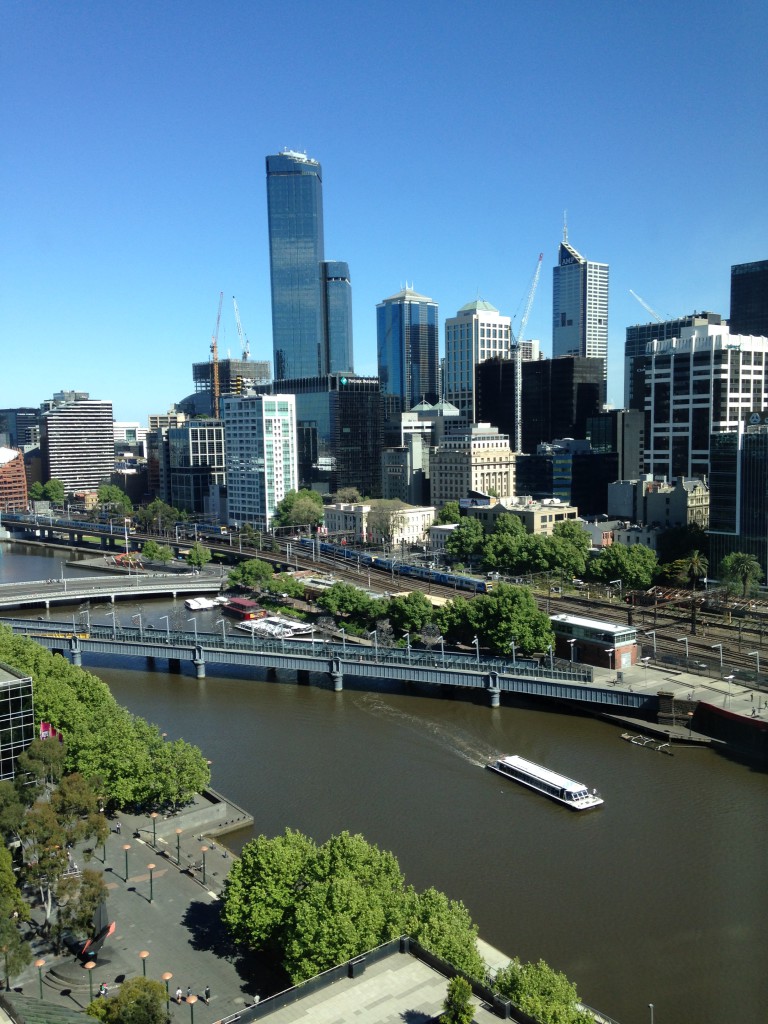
[{"x": 579, "y": 584}]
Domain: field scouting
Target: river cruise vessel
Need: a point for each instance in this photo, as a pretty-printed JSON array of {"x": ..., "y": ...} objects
[{"x": 557, "y": 787}]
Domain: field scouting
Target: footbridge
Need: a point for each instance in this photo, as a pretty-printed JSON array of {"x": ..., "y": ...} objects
[
  {"x": 76, "y": 589},
  {"x": 558, "y": 680}
]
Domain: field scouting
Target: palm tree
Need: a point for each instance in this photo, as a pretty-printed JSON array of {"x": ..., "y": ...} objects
[
  {"x": 695, "y": 565},
  {"x": 741, "y": 568}
]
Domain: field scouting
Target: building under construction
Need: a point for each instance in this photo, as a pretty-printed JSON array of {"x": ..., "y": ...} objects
[{"x": 235, "y": 375}]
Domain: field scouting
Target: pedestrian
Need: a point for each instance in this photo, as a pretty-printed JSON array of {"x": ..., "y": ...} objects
[
  {"x": 189, "y": 991},
  {"x": 207, "y": 994},
  {"x": 178, "y": 995},
  {"x": 118, "y": 826}
]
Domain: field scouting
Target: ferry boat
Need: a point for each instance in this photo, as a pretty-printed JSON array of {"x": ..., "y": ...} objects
[
  {"x": 199, "y": 604},
  {"x": 557, "y": 787}
]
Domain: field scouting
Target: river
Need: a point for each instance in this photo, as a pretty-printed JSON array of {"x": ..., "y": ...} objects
[{"x": 660, "y": 896}]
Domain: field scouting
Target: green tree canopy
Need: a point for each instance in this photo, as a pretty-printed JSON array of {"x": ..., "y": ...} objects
[
  {"x": 300, "y": 508},
  {"x": 508, "y": 613},
  {"x": 741, "y": 571},
  {"x": 55, "y": 492},
  {"x": 411, "y": 613},
  {"x": 151, "y": 551},
  {"x": 35, "y": 491},
  {"x": 347, "y": 496},
  {"x": 449, "y": 513},
  {"x": 111, "y": 496},
  {"x": 466, "y": 541},
  {"x": 344, "y": 599},
  {"x": 541, "y": 992},
  {"x": 284, "y": 583},
  {"x": 158, "y": 517},
  {"x": 138, "y": 1001},
  {"x": 444, "y": 926},
  {"x": 198, "y": 556},
  {"x": 251, "y": 575},
  {"x": 635, "y": 566},
  {"x": 678, "y": 541},
  {"x": 386, "y": 519},
  {"x": 458, "y": 1007}
]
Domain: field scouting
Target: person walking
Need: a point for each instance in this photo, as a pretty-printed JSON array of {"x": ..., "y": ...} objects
[
  {"x": 178, "y": 995},
  {"x": 118, "y": 826},
  {"x": 207, "y": 994},
  {"x": 189, "y": 991}
]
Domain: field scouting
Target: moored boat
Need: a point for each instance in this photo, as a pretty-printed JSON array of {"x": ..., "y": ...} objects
[{"x": 557, "y": 787}]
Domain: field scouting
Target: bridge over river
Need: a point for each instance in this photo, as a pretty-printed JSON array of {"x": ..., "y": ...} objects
[
  {"x": 575, "y": 684},
  {"x": 76, "y": 589}
]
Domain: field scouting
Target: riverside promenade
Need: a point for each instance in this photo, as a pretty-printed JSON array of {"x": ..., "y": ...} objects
[{"x": 170, "y": 913}]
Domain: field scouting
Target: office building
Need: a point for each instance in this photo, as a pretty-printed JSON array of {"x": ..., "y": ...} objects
[
  {"x": 559, "y": 396},
  {"x": 311, "y": 298},
  {"x": 193, "y": 466},
  {"x": 401, "y": 528},
  {"x": 13, "y": 481},
  {"x": 260, "y": 442},
  {"x": 568, "y": 471},
  {"x": 621, "y": 431},
  {"x": 479, "y": 460},
  {"x": 537, "y": 517},
  {"x": 738, "y": 481},
  {"x": 699, "y": 384},
  {"x": 19, "y": 428},
  {"x": 639, "y": 336},
  {"x": 77, "y": 442},
  {"x": 477, "y": 332},
  {"x": 235, "y": 376},
  {"x": 749, "y": 299},
  {"x": 17, "y": 719},
  {"x": 657, "y": 503},
  {"x": 579, "y": 306},
  {"x": 407, "y": 340}
]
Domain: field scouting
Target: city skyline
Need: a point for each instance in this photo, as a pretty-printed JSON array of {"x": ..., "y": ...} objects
[{"x": 133, "y": 188}]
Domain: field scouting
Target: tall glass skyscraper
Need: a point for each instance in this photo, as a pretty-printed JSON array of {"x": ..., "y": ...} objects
[
  {"x": 579, "y": 306},
  {"x": 407, "y": 337},
  {"x": 311, "y": 299}
]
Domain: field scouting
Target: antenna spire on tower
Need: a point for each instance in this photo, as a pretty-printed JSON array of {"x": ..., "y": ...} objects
[{"x": 565, "y": 225}]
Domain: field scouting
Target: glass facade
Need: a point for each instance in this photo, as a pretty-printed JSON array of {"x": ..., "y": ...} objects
[
  {"x": 17, "y": 719},
  {"x": 407, "y": 341},
  {"x": 338, "y": 317},
  {"x": 295, "y": 212},
  {"x": 579, "y": 306},
  {"x": 738, "y": 493},
  {"x": 749, "y": 299}
]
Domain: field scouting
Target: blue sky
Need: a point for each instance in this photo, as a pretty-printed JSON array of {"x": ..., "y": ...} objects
[{"x": 452, "y": 138}]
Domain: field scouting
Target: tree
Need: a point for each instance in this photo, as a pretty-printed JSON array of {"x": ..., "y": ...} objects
[
  {"x": 55, "y": 492},
  {"x": 283, "y": 583},
  {"x": 35, "y": 491},
  {"x": 299, "y": 508},
  {"x": 385, "y": 520},
  {"x": 17, "y": 954},
  {"x": 444, "y": 926},
  {"x": 42, "y": 763},
  {"x": 198, "y": 556},
  {"x": 410, "y": 614},
  {"x": 466, "y": 541},
  {"x": 635, "y": 566},
  {"x": 695, "y": 566},
  {"x": 109, "y": 496},
  {"x": 449, "y": 513},
  {"x": 11, "y": 900},
  {"x": 158, "y": 516},
  {"x": 541, "y": 992},
  {"x": 79, "y": 897},
  {"x": 347, "y": 496},
  {"x": 151, "y": 551},
  {"x": 676, "y": 542},
  {"x": 458, "y": 1007},
  {"x": 11, "y": 811},
  {"x": 505, "y": 615},
  {"x": 139, "y": 1001},
  {"x": 742, "y": 570},
  {"x": 45, "y": 855},
  {"x": 344, "y": 599},
  {"x": 251, "y": 575}
]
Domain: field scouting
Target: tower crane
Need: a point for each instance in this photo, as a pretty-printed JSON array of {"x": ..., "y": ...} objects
[
  {"x": 656, "y": 316},
  {"x": 243, "y": 339},
  {"x": 518, "y": 343},
  {"x": 215, "y": 361}
]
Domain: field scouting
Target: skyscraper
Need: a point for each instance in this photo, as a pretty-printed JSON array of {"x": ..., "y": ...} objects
[
  {"x": 579, "y": 306},
  {"x": 477, "y": 332},
  {"x": 407, "y": 338},
  {"x": 311, "y": 299},
  {"x": 749, "y": 299},
  {"x": 635, "y": 358},
  {"x": 77, "y": 441}
]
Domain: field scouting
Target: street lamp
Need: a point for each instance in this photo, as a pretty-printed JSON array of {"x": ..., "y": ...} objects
[
  {"x": 143, "y": 957},
  {"x": 513, "y": 645},
  {"x": 729, "y": 680},
  {"x": 114, "y": 625},
  {"x": 650, "y": 1007},
  {"x": 192, "y": 1000},
  {"x": 713, "y": 646},
  {"x": 343, "y": 639},
  {"x": 683, "y": 640},
  {"x": 609, "y": 652},
  {"x": 153, "y": 816},
  {"x": 442, "y": 648},
  {"x": 408, "y": 644},
  {"x": 138, "y": 616},
  {"x": 40, "y": 964},
  {"x": 89, "y": 967},
  {"x": 204, "y": 850},
  {"x": 652, "y": 633},
  {"x": 375, "y": 635},
  {"x": 755, "y": 654},
  {"x": 223, "y": 630},
  {"x": 126, "y": 848},
  {"x": 151, "y": 869},
  {"x": 166, "y": 978},
  {"x": 571, "y": 644},
  {"x": 476, "y": 642},
  {"x": 167, "y": 627},
  {"x": 178, "y": 845},
  {"x": 193, "y": 620}
]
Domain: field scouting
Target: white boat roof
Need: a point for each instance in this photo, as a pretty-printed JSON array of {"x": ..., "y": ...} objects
[{"x": 544, "y": 774}]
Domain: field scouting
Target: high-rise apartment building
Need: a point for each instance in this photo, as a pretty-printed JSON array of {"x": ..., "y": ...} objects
[
  {"x": 638, "y": 336},
  {"x": 477, "y": 332},
  {"x": 13, "y": 481},
  {"x": 77, "y": 442},
  {"x": 407, "y": 339},
  {"x": 17, "y": 719},
  {"x": 749, "y": 299},
  {"x": 260, "y": 442},
  {"x": 193, "y": 462},
  {"x": 579, "y": 306},
  {"x": 699, "y": 384},
  {"x": 19, "y": 428},
  {"x": 311, "y": 298}
]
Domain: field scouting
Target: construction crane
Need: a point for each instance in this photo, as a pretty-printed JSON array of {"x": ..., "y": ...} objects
[
  {"x": 243, "y": 339},
  {"x": 518, "y": 344},
  {"x": 656, "y": 316},
  {"x": 215, "y": 361}
]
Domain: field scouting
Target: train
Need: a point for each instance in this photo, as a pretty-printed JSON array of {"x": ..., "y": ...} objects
[{"x": 420, "y": 572}]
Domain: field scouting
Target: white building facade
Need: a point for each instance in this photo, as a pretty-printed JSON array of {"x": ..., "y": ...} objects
[
  {"x": 409, "y": 524},
  {"x": 477, "y": 332},
  {"x": 261, "y": 459},
  {"x": 579, "y": 306},
  {"x": 479, "y": 460}
]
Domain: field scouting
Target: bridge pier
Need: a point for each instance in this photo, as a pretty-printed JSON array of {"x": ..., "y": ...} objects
[
  {"x": 77, "y": 658},
  {"x": 302, "y": 677},
  {"x": 174, "y": 664},
  {"x": 151, "y": 661},
  {"x": 199, "y": 662},
  {"x": 337, "y": 676},
  {"x": 494, "y": 690}
]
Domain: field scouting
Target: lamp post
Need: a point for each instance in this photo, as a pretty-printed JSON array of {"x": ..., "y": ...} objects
[
  {"x": 153, "y": 816},
  {"x": 683, "y": 640},
  {"x": 151, "y": 869},
  {"x": 609, "y": 652},
  {"x": 126, "y": 848},
  {"x": 114, "y": 625},
  {"x": 729, "y": 680},
  {"x": 513, "y": 645},
  {"x": 713, "y": 646},
  {"x": 204, "y": 850},
  {"x": 476, "y": 642},
  {"x": 166, "y": 978},
  {"x": 178, "y": 845},
  {"x": 755, "y": 654},
  {"x": 650, "y": 1007},
  {"x": 40, "y": 964},
  {"x": 193, "y": 620},
  {"x": 192, "y": 1000},
  {"x": 375, "y": 635},
  {"x": 571, "y": 644},
  {"x": 442, "y": 648},
  {"x": 343, "y": 640},
  {"x": 652, "y": 633},
  {"x": 89, "y": 967},
  {"x": 143, "y": 957},
  {"x": 223, "y": 630},
  {"x": 408, "y": 644},
  {"x": 167, "y": 627}
]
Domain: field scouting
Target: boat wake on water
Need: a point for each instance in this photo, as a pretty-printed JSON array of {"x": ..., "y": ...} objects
[{"x": 450, "y": 738}]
